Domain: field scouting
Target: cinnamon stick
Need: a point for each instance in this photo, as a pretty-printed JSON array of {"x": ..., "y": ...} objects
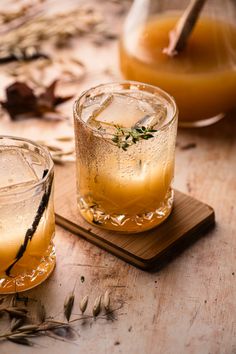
[{"x": 179, "y": 35}]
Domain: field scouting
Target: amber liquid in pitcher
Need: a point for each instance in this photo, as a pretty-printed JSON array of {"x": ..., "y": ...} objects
[{"x": 202, "y": 78}]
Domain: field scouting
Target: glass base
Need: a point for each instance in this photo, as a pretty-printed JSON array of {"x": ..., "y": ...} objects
[
  {"x": 201, "y": 123},
  {"x": 126, "y": 223},
  {"x": 31, "y": 279}
]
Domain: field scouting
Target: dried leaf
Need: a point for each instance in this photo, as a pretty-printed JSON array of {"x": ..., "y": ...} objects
[
  {"x": 22, "y": 102},
  {"x": 16, "y": 323},
  {"x": 68, "y": 306},
  {"x": 47, "y": 101},
  {"x": 20, "y": 99},
  {"x": 83, "y": 304},
  {"x": 106, "y": 300},
  {"x": 97, "y": 306}
]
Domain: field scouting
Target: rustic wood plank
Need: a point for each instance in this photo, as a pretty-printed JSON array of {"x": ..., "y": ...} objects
[{"x": 187, "y": 306}]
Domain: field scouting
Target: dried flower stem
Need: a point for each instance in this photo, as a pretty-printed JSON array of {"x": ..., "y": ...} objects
[
  {"x": 21, "y": 333},
  {"x": 16, "y": 41}
]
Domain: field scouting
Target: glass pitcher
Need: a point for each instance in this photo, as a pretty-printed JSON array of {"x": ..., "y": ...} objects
[{"x": 202, "y": 77}]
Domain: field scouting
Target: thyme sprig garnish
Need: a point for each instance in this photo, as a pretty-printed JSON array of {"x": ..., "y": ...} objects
[{"x": 125, "y": 137}]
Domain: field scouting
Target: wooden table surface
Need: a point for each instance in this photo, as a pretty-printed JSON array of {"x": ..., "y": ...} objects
[{"x": 187, "y": 307}]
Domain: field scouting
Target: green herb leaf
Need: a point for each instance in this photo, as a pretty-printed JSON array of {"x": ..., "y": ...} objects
[{"x": 125, "y": 137}]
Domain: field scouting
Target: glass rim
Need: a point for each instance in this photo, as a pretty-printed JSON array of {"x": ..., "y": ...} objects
[
  {"x": 157, "y": 89},
  {"x": 41, "y": 181}
]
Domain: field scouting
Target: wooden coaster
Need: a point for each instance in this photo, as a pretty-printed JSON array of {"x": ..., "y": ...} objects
[{"x": 189, "y": 220}]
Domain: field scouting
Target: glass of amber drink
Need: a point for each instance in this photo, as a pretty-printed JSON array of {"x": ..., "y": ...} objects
[
  {"x": 27, "y": 221},
  {"x": 125, "y": 142}
]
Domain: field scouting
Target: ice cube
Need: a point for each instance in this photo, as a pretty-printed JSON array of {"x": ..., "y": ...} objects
[
  {"x": 154, "y": 120},
  {"x": 96, "y": 111},
  {"x": 36, "y": 162},
  {"x": 117, "y": 109},
  {"x": 15, "y": 169}
]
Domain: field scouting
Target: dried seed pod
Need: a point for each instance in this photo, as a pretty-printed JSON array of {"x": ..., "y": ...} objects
[
  {"x": 14, "y": 308},
  {"x": 30, "y": 51},
  {"x": 83, "y": 304},
  {"x": 13, "y": 301},
  {"x": 97, "y": 306},
  {"x": 28, "y": 328},
  {"x": 106, "y": 300},
  {"x": 17, "y": 335},
  {"x": 18, "y": 53},
  {"x": 2, "y": 310},
  {"x": 68, "y": 306},
  {"x": 14, "y": 312},
  {"x": 20, "y": 340},
  {"x": 65, "y": 138},
  {"x": 16, "y": 323}
]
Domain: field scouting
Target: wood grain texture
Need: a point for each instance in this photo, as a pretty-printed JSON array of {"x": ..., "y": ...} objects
[
  {"x": 187, "y": 307},
  {"x": 189, "y": 219}
]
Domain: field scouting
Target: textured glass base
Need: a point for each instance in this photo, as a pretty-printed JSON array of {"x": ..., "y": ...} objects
[
  {"x": 31, "y": 279},
  {"x": 124, "y": 222},
  {"x": 201, "y": 123}
]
